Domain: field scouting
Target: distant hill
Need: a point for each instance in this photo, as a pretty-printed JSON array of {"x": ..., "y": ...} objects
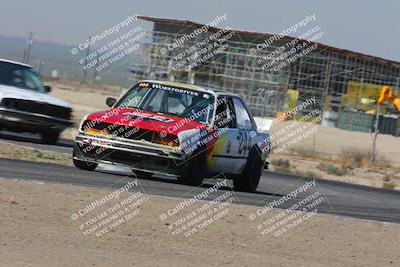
[{"x": 56, "y": 57}]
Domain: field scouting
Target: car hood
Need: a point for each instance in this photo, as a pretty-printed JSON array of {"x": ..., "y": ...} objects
[
  {"x": 18, "y": 93},
  {"x": 146, "y": 120}
]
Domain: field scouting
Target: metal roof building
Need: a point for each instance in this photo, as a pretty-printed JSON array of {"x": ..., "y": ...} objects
[{"x": 323, "y": 72}]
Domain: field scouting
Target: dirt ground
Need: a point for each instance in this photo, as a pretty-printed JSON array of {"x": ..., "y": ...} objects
[
  {"x": 37, "y": 230},
  {"x": 374, "y": 177},
  {"x": 18, "y": 152},
  {"x": 334, "y": 141}
]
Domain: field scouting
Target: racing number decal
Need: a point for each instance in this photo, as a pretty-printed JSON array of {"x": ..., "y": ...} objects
[{"x": 244, "y": 142}]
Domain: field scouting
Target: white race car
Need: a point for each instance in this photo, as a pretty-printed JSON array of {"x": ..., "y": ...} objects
[
  {"x": 182, "y": 130},
  {"x": 26, "y": 106}
]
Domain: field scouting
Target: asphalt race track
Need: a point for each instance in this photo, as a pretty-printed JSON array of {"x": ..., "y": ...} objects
[{"x": 340, "y": 198}]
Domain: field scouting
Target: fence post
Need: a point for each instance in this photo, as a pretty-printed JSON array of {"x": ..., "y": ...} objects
[{"x": 373, "y": 149}]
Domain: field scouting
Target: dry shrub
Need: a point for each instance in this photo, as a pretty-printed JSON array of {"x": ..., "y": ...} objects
[
  {"x": 311, "y": 175},
  {"x": 279, "y": 162},
  {"x": 303, "y": 152},
  {"x": 358, "y": 156},
  {"x": 389, "y": 185},
  {"x": 333, "y": 169}
]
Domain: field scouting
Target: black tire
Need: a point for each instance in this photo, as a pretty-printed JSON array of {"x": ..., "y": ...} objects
[
  {"x": 248, "y": 180},
  {"x": 81, "y": 164},
  {"x": 143, "y": 174},
  {"x": 194, "y": 171},
  {"x": 50, "y": 137}
]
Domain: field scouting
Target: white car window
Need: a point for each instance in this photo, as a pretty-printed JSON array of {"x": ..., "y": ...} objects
[
  {"x": 225, "y": 117},
  {"x": 243, "y": 120}
]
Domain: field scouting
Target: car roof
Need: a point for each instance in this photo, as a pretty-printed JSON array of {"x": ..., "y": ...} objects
[
  {"x": 205, "y": 89},
  {"x": 15, "y": 62}
]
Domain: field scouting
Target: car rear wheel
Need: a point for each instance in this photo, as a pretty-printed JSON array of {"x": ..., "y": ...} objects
[
  {"x": 248, "y": 180},
  {"x": 81, "y": 164},
  {"x": 50, "y": 137},
  {"x": 194, "y": 171}
]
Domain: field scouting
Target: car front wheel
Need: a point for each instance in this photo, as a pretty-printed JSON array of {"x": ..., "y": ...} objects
[
  {"x": 194, "y": 172},
  {"x": 248, "y": 180},
  {"x": 81, "y": 164}
]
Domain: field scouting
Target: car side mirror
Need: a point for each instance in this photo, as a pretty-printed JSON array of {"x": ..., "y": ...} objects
[
  {"x": 47, "y": 89},
  {"x": 110, "y": 101}
]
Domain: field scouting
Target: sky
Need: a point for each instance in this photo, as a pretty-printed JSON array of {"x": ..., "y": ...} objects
[{"x": 370, "y": 27}]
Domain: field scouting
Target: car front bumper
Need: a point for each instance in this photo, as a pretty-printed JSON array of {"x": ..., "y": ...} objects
[
  {"x": 136, "y": 154},
  {"x": 21, "y": 119}
]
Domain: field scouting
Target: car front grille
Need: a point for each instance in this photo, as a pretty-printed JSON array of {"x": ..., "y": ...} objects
[
  {"x": 36, "y": 107},
  {"x": 124, "y": 131},
  {"x": 120, "y": 130}
]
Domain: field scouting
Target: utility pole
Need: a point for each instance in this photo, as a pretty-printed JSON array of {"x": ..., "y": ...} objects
[
  {"x": 86, "y": 60},
  {"x": 39, "y": 67},
  {"x": 29, "y": 45},
  {"x": 24, "y": 57},
  {"x": 95, "y": 68}
]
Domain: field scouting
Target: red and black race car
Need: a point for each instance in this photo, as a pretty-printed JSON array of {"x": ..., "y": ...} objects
[{"x": 175, "y": 129}]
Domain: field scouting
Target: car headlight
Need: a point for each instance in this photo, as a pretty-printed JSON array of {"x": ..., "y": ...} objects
[{"x": 169, "y": 140}]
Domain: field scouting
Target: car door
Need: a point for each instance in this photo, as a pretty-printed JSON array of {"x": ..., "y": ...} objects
[
  {"x": 226, "y": 156},
  {"x": 246, "y": 129}
]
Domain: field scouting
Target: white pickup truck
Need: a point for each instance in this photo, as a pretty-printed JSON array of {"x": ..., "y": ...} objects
[{"x": 26, "y": 106}]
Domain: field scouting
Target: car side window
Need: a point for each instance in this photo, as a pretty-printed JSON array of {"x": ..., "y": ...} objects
[
  {"x": 243, "y": 118},
  {"x": 225, "y": 113}
]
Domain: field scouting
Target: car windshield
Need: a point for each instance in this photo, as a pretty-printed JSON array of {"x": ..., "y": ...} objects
[
  {"x": 20, "y": 76},
  {"x": 180, "y": 102}
]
